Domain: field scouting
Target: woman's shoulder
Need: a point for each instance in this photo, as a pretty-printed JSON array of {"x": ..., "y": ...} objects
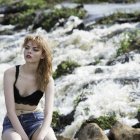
[
  {"x": 51, "y": 80},
  {"x": 10, "y": 71}
]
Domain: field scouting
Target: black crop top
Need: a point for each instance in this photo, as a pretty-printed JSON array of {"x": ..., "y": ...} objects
[{"x": 32, "y": 99}]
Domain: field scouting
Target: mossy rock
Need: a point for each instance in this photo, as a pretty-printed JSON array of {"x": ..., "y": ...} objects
[
  {"x": 29, "y": 15},
  {"x": 55, "y": 119},
  {"x": 20, "y": 20},
  {"x": 64, "y": 68},
  {"x": 99, "y": 1},
  {"x": 59, "y": 122},
  {"x": 89, "y": 1},
  {"x": 130, "y": 42},
  {"x": 119, "y": 17},
  {"x": 105, "y": 122},
  {"x": 49, "y": 19}
]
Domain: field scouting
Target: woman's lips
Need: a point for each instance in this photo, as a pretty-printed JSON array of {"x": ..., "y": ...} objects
[{"x": 28, "y": 56}]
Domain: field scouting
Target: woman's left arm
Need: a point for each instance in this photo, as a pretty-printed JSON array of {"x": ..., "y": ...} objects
[{"x": 48, "y": 110}]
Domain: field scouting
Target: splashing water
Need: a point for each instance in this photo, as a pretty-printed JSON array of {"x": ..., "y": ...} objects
[{"x": 114, "y": 89}]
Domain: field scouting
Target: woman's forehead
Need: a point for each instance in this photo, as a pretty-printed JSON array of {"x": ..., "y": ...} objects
[{"x": 32, "y": 44}]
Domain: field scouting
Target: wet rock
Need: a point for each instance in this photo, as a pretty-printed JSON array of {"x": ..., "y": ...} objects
[
  {"x": 63, "y": 121},
  {"x": 138, "y": 124},
  {"x": 7, "y": 32},
  {"x": 13, "y": 8},
  {"x": 129, "y": 20},
  {"x": 123, "y": 132},
  {"x": 122, "y": 1},
  {"x": 123, "y": 58},
  {"x": 98, "y": 70},
  {"x": 90, "y": 131}
]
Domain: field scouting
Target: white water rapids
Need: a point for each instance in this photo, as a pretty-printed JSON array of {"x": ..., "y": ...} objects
[{"x": 104, "y": 95}]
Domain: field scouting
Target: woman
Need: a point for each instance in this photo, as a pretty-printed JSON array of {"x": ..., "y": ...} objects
[{"x": 24, "y": 86}]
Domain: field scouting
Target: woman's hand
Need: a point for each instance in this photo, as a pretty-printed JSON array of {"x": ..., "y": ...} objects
[
  {"x": 25, "y": 138},
  {"x": 41, "y": 135}
]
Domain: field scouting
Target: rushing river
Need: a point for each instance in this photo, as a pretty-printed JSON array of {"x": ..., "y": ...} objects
[{"x": 113, "y": 89}]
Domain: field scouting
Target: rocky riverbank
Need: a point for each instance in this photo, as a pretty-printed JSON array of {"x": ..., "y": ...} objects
[{"x": 119, "y": 131}]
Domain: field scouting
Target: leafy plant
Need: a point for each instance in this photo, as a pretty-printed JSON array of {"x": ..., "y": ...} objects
[
  {"x": 105, "y": 122},
  {"x": 129, "y": 42},
  {"x": 65, "y": 67}
]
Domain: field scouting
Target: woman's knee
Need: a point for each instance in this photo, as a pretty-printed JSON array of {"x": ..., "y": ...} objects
[
  {"x": 50, "y": 135},
  {"x": 11, "y": 135}
]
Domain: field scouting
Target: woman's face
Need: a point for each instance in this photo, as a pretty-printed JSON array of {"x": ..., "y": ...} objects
[{"x": 32, "y": 53}]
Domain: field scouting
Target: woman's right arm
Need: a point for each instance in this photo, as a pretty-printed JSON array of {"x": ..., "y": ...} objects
[{"x": 9, "y": 78}]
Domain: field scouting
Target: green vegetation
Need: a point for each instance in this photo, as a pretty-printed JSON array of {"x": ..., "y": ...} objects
[
  {"x": 6, "y": 1},
  {"x": 105, "y": 122},
  {"x": 131, "y": 41},
  {"x": 55, "y": 119},
  {"x": 35, "y": 3},
  {"x": 25, "y": 13},
  {"x": 80, "y": 98},
  {"x": 64, "y": 68},
  {"x": 50, "y": 2},
  {"x": 22, "y": 19},
  {"x": 38, "y": 3},
  {"x": 99, "y": 1},
  {"x": 50, "y": 19},
  {"x": 89, "y": 1},
  {"x": 119, "y": 17}
]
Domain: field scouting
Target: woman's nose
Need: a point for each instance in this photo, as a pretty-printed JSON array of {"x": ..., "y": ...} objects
[{"x": 30, "y": 50}]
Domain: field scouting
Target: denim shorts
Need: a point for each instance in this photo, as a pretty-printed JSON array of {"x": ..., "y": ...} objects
[{"x": 30, "y": 122}]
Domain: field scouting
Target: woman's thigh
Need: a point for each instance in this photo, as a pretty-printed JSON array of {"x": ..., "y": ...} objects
[
  {"x": 10, "y": 134},
  {"x": 50, "y": 134}
]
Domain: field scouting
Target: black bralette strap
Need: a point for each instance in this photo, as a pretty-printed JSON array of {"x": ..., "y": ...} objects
[{"x": 17, "y": 73}]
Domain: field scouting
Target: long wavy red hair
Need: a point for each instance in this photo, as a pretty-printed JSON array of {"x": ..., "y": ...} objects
[{"x": 44, "y": 70}]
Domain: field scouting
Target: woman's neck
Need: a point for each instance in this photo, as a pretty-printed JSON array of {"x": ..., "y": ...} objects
[{"x": 29, "y": 68}]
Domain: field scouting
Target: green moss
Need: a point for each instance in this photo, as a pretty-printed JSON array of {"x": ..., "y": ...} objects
[
  {"x": 80, "y": 98},
  {"x": 105, "y": 122},
  {"x": 97, "y": 61},
  {"x": 89, "y": 1},
  {"x": 55, "y": 119},
  {"x": 25, "y": 17},
  {"x": 131, "y": 41},
  {"x": 64, "y": 68},
  {"x": 35, "y": 4},
  {"x": 6, "y": 1},
  {"x": 21, "y": 19},
  {"x": 50, "y": 19},
  {"x": 99, "y": 1},
  {"x": 32, "y": 3},
  {"x": 113, "y": 18}
]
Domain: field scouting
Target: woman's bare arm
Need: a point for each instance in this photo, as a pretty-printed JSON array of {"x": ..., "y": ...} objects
[
  {"x": 9, "y": 78},
  {"x": 48, "y": 110}
]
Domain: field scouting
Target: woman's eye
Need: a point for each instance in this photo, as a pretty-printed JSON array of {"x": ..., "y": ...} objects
[
  {"x": 35, "y": 49},
  {"x": 26, "y": 47}
]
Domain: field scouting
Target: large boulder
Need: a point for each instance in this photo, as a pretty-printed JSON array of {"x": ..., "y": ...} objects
[
  {"x": 124, "y": 132},
  {"x": 90, "y": 131}
]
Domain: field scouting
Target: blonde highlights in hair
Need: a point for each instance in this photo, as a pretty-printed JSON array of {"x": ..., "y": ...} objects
[{"x": 44, "y": 70}]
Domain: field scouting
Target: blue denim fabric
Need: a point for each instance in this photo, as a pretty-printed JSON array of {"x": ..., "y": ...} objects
[{"x": 30, "y": 122}]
